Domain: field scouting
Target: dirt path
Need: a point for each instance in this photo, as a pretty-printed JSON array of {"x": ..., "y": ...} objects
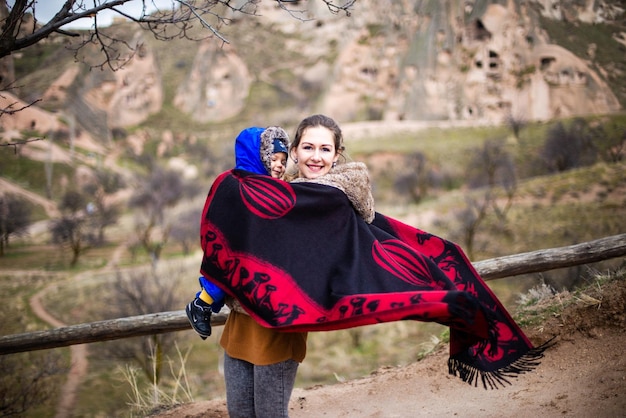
[
  {"x": 78, "y": 361},
  {"x": 78, "y": 353},
  {"x": 583, "y": 375},
  {"x": 49, "y": 206}
]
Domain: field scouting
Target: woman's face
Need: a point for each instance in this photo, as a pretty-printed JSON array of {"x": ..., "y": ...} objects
[
  {"x": 316, "y": 152},
  {"x": 278, "y": 164}
]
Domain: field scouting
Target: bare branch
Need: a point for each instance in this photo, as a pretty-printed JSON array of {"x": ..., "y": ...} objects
[
  {"x": 338, "y": 9},
  {"x": 117, "y": 52},
  {"x": 16, "y": 144},
  {"x": 175, "y": 22},
  {"x": 10, "y": 109},
  {"x": 203, "y": 22}
]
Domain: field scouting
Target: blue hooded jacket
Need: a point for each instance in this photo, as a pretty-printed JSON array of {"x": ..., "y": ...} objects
[
  {"x": 247, "y": 150},
  {"x": 247, "y": 157}
]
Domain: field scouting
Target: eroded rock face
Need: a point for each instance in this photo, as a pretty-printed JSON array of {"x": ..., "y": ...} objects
[
  {"x": 103, "y": 100},
  {"x": 138, "y": 90},
  {"x": 461, "y": 61},
  {"x": 477, "y": 61},
  {"x": 217, "y": 86}
]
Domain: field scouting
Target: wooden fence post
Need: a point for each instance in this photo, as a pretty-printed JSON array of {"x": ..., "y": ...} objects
[{"x": 530, "y": 262}]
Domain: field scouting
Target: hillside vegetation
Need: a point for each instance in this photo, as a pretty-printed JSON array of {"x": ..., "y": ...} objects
[
  {"x": 548, "y": 210},
  {"x": 99, "y": 216}
]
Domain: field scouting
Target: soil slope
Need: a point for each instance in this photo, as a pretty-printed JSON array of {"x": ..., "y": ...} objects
[{"x": 582, "y": 375}]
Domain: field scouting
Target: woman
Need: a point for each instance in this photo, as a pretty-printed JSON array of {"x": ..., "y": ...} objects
[
  {"x": 335, "y": 264},
  {"x": 260, "y": 363},
  {"x": 259, "y": 360}
]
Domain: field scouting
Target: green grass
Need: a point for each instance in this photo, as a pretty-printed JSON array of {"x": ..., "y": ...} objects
[
  {"x": 38, "y": 66},
  {"x": 31, "y": 174},
  {"x": 28, "y": 256},
  {"x": 550, "y": 211},
  {"x": 17, "y": 317},
  {"x": 438, "y": 144},
  {"x": 105, "y": 388}
]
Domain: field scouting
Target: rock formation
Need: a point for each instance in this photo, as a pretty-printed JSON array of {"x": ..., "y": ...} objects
[{"x": 482, "y": 61}]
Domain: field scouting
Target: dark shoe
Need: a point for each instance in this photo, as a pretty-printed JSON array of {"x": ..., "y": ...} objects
[{"x": 199, "y": 315}]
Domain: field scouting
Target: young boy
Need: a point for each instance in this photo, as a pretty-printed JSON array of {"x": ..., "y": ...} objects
[{"x": 262, "y": 151}]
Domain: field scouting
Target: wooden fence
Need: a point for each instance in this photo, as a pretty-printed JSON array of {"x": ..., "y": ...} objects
[{"x": 496, "y": 268}]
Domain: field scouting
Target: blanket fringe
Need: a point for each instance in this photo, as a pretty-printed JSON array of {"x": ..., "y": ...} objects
[{"x": 493, "y": 379}]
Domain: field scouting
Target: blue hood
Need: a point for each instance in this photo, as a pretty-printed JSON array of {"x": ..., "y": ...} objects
[{"x": 248, "y": 150}]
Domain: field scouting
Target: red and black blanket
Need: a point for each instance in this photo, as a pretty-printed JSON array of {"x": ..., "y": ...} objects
[{"x": 298, "y": 258}]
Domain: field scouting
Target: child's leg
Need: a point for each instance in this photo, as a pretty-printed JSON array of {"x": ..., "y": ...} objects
[
  {"x": 211, "y": 294},
  {"x": 209, "y": 299},
  {"x": 273, "y": 385},
  {"x": 239, "y": 378}
]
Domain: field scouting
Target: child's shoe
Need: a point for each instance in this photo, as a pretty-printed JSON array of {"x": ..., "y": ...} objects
[{"x": 199, "y": 315}]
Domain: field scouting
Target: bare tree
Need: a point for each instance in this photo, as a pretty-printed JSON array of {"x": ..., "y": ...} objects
[
  {"x": 71, "y": 228},
  {"x": 162, "y": 189},
  {"x": 28, "y": 380},
  {"x": 143, "y": 292},
  {"x": 69, "y": 231},
  {"x": 493, "y": 166},
  {"x": 569, "y": 146},
  {"x": 14, "y": 218},
  {"x": 610, "y": 140},
  {"x": 16, "y": 144},
  {"x": 73, "y": 202},
  {"x": 415, "y": 177},
  {"x": 490, "y": 169},
  {"x": 515, "y": 123},
  {"x": 185, "y": 229},
  {"x": 471, "y": 217},
  {"x": 20, "y": 28},
  {"x": 102, "y": 211}
]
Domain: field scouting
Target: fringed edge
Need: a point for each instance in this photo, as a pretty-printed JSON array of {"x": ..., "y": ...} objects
[{"x": 493, "y": 379}]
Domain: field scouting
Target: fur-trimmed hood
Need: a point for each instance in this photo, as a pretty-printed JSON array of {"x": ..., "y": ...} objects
[
  {"x": 269, "y": 135},
  {"x": 254, "y": 147}
]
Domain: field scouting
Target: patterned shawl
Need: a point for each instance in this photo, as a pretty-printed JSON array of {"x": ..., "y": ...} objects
[{"x": 299, "y": 258}]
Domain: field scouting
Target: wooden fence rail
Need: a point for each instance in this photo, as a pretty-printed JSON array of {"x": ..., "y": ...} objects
[{"x": 112, "y": 329}]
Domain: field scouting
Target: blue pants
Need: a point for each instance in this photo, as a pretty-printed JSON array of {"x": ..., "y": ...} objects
[{"x": 258, "y": 391}]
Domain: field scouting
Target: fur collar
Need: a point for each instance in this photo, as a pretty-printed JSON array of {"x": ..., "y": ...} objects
[{"x": 353, "y": 179}]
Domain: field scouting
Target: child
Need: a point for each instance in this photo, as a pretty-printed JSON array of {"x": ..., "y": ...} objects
[{"x": 260, "y": 150}]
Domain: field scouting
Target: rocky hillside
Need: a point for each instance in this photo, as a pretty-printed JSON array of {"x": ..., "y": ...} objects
[{"x": 482, "y": 61}]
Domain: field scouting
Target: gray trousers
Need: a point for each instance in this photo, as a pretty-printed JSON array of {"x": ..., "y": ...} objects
[{"x": 258, "y": 391}]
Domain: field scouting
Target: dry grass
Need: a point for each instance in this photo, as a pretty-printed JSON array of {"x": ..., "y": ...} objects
[
  {"x": 543, "y": 303},
  {"x": 164, "y": 393}
]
